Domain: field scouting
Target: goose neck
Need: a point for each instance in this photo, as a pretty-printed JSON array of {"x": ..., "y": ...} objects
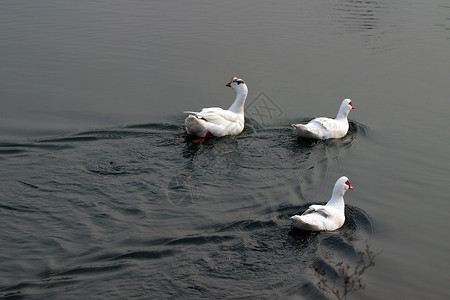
[
  {"x": 337, "y": 198},
  {"x": 342, "y": 115},
  {"x": 238, "y": 104}
]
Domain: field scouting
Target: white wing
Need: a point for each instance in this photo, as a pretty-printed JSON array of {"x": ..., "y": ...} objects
[
  {"x": 325, "y": 123},
  {"x": 216, "y": 115},
  {"x": 317, "y": 209},
  {"x": 219, "y": 122}
]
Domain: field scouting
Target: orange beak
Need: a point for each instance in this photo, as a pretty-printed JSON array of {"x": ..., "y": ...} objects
[{"x": 229, "y": 83}]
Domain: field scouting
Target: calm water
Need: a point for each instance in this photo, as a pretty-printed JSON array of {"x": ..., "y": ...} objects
[{"x": 100, "y": 200}]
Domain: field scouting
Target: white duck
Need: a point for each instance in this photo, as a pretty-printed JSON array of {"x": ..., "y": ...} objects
[
  {"x": 326, "y": 128},
  {"x": 216, "y": 121},
  {"x": 326, "y": 217}
]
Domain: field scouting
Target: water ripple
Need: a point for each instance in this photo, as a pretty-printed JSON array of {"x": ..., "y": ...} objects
[
  {"x": 200, "y": 240},
  {"x": 138, "y": 255}
]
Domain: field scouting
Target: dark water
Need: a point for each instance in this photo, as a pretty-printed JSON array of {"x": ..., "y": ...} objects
[{"x": 99, "y": 199}]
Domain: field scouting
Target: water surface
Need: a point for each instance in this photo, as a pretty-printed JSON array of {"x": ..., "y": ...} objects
[{"x": 99, "y": 198}]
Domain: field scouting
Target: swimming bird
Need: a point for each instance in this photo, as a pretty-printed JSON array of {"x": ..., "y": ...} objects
[
  {"x": 326, "y": 217},
  {"x": 327, "y": 128},
  {"x": 215, "y": 121}
]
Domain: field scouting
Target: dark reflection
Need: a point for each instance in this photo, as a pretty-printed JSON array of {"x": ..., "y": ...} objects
[
  {"x": 327, "y": 150},
  {"x": 211, "y": 162},
  {"x": 219, "y": 155},
  {"x": 314, "y": 158}
]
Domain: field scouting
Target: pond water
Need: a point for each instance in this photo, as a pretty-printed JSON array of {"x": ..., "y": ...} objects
[{"x": 99, "y": 199}]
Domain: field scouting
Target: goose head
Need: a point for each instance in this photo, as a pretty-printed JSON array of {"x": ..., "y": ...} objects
[
  {"x": 237, "y": 84},
  {"x": 341, "y": 186},
  {"x": 337, "y": 198},
  {"x": 343, "y": 183},
  {"x": 345, "y": 108}
]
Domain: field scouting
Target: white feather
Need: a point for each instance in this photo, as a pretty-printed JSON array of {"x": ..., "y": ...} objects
[
  {"x": 326, "y": 217},
  {"x": 326, "y": 128},
  {"x": 217, "y": 121}
]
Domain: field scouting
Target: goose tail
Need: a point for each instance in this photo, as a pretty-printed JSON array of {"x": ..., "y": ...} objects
[
  {"x": 300, "y": 222},
  {"x": 304, "y": 131},
  {"x": 195, "y": 126}
]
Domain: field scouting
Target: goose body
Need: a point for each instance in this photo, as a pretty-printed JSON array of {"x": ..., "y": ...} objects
[
  {"x": 219, "y": 122},
  {"x": 327, "y": 128},
  {"x": 326, "y": 217}
]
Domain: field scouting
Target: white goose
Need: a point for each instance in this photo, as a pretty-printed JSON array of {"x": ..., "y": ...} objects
[
  {"x": 216, "y": 121},
  {"x": 326, "y": 128},
  {"x": 326, "y": 217}
]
